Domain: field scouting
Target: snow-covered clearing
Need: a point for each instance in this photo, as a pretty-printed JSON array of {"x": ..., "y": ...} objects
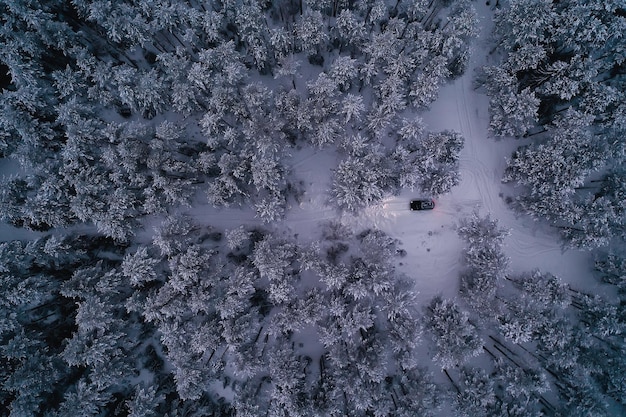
[{"x": 429, "y": 238}]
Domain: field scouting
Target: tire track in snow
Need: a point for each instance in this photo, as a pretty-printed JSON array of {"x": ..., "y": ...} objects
[
  {"x": 528, "y": 241},
  {"x": 456, "y": 207},
  {"x": 377, "y": 216},
  {"x": 303, "y": 160},
  {"x": 468, "y": 121},
  {"x": 523, "y": 241},
  {"x": 480, "y": 176},
  {"x": 472, "y": 163},
  {"x": 528, "y": 248}
]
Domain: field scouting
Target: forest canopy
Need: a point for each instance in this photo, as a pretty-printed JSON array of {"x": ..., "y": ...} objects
[
  {"x": 120, "y": 111},
  {"x": 119, "y": 116},
  {"x": 561, "y": 80}
]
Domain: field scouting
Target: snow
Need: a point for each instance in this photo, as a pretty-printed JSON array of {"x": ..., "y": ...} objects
[
  {"x": 429, "y": 238},
  {"x": 482, "y": 162},
  {"x": 9, "y": 233}
]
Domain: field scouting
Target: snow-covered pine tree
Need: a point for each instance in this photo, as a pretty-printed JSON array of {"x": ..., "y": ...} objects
[
  {"x": 343, "y": 71},
  {"x": 485, "y": 260},
  {"x": 254, "y": 32},
  {"x": 522, "y": 388},
  {"x": 145, "y": 402},
  {"x": 360, "y": 181},
  {"x": 456, "y": 339},
  {"x": 274, "y": 260},
  {"x": 350, "y": 30},
  {"x": 311, "y": 32},
  {"x": 476, "y": 396},
  {"x": 512, "y": 112},
  {"x": 612, "y": 269}
]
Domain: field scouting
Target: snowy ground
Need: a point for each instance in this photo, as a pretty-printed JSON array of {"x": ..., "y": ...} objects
[{"x": 433, "y": 248}]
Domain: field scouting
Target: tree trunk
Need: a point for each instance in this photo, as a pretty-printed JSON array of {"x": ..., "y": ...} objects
[
  {"x": 489, "y": 352},
  {"x": 445, "y": 371}
]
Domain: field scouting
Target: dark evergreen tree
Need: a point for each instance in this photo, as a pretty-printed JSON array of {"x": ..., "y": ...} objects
[
  {"x": 485, "y": 260},
  {"x": 557, "y": 81},
  {"x": 521, "y": 389},
  {"x": 455, "y": 338},
  {"x": 476, "y": 395}
]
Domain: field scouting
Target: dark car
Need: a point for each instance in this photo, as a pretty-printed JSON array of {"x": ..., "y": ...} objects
[{"x": 422, "y": 205}]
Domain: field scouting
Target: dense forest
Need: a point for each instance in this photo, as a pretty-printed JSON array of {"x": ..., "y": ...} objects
[
  {"x": 144, "y": 103},
  {"x": 119, "y": 113},
  {"x": 561, "y": 80}
]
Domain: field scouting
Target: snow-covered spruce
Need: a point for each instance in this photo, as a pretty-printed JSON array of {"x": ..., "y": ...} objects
[{"x": 559, "y": 81}]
